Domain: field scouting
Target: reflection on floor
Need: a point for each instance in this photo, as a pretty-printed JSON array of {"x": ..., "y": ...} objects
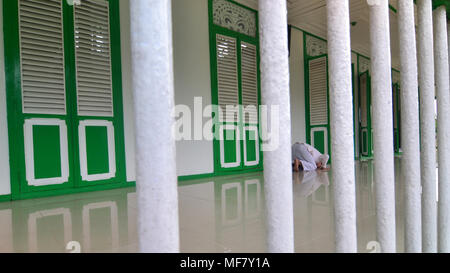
[{"x": 223, "y": 214}]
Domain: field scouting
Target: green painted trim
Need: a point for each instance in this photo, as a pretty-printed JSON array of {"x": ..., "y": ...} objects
[
  {"x": 195, "y": 176},
  {"x": 354, "y": 110},
  {"x": 12, "y": 77},
  {"x": 5, "y": 198},
  {"x": 33, "y": 195},
  {"x": 116, "y": 60},
  {"x": 392, "y": 8},
  {"x": 397, "y": 138},
  {"x": 185, "y": 178}
]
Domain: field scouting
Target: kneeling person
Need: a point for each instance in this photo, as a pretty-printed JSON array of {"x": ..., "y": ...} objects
[{"x": 307, "y": 158}]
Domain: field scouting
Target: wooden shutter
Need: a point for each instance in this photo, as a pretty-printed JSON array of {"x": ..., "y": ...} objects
[
  {"x": 93, "y": 58},
  {"x": 42, "y": 57},
  {"x": 227, "y": 75},
  {"x": 318, "y": 91},
  {"x": 249, "y": 82}
]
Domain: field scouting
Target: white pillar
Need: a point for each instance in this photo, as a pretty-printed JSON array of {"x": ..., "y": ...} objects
[
  {"x": 427, "y": 126},
  {"x": 152, "y": 63},
  {"x": 341, "y": 106},
  {"x": 410, "y": 126},
  {"x": 382, "y": 123},
  {"x": 275, "y": 92},
  {"x": 443, "y": 100}
]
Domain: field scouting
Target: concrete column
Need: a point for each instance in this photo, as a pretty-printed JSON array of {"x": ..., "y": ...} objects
[
  {"x": 443, "y": 100},
  {"x": 410, "y": 126},
  {"x": 275, "y": 92},
  {"x": 341, "y": 106},
  {"x": 152, "y": 63},
  {"x": 427, "y": 126},
  {"x": 382, "y": 123}
]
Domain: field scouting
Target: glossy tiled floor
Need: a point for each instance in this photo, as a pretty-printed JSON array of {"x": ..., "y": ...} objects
[{"x": 219, "y": 215}]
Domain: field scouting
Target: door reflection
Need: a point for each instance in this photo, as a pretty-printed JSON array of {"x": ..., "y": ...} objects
[
  {"x": 97, "y": 221},
  {"x": 239, "y": 214},
  {"x": 104, "y": 228},
  {"x": 45, "y": 225}
]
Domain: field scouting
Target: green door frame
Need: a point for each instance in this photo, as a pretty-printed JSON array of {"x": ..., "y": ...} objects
[
  {"x": 367, "y": 129},
  {"x": 19, "y": 186},
  {"x": 397, "y": 115},
  {"x": 213, "y": 31},
  {"x": 309, "y": 127}
]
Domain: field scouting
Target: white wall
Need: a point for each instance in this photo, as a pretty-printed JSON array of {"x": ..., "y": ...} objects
[
  {"x": 128, "y": 110},
  {"x": 297, "y": 78},
  {"x": 5, "y": 185},
  {"x": 192, "y": 78}
]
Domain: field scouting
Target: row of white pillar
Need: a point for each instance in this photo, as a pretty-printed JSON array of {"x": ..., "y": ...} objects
[{"x": 154, "y": 100}]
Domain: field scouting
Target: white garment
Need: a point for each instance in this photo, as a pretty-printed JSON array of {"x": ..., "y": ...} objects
[
  {"x": 300, "y": 152},
  {"x": 317, "y": 156},
  {"x": 309, "y": 162}
]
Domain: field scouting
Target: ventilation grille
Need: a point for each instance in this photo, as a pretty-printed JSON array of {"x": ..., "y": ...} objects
[
  {"x": 249, "y": 82},
  {"x": 227, "y": 76},
  {"x": 42, "y": 57},
  {"x": 93, "y": 58},
  {"x": 318, "y": 91}
]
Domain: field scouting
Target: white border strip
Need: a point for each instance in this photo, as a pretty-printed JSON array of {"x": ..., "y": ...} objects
[
  {"x": 254, "y": 129},
  {"x": 222, "y": 146},
  {"x": 83, "y": 151},
  {"x": 29, "y": 152}
]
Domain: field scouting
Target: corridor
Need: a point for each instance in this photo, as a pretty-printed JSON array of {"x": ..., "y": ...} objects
[{"x": 224, "y": 214}]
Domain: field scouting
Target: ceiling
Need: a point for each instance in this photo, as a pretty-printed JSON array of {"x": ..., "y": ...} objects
[{"x": 311, "y": 16}]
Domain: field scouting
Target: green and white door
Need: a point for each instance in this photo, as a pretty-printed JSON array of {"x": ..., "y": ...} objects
[
  {"x": 318, "y": 121},
  {"x": 365, "y": 110},
  {"x": 64, "y": 106},
  {"x": 396, "y": 116},
  {"x": 237, "y": 85}
]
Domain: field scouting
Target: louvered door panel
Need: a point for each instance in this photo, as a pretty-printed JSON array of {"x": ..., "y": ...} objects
[
  {"x": 93, "y": 58},
  {"x": 42, "y": 57},
  {"x": 318, "y": 91},
  {"x": 227, "y": 76},
  {"x": 249, "y": 78}
]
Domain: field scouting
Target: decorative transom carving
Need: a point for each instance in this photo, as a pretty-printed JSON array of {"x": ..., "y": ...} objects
[
  {"x": 315, "y": 46},
  {"x": 395, "y": 77},
  {"x": 364, "y": 64},
  {"x": 234, "y": 17}
]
